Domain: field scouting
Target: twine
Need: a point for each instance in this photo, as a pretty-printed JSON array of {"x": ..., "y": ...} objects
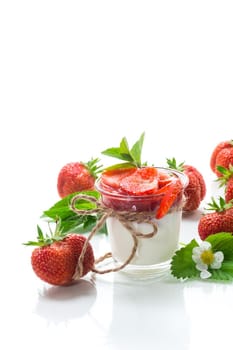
[{"x": 125, "y": 217}]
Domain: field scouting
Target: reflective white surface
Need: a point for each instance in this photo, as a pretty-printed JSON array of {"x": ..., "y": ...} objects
[{"x": 75, "y": 77}]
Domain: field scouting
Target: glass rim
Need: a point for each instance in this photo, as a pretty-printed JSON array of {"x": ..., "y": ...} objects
[{"x": 183, "y": 178}]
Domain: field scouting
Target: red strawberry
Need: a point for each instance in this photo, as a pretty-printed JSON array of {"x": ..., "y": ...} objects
[
  {"x": 56, "y": 258},
  {"x": 144, "y": 189},
  {"x": 142, "y": 181},
  {"x": 229, "y": 190},
  {"x": 77, "y": 176},
  {"x": 171, "y": 194},
  {"x": 220, "y": 220},
  {"x": 196, "y": 188},
  {"x": 222, "y": 155},
  {"x": 226, "y": 179},
  {"x": 112, "y": 178}
]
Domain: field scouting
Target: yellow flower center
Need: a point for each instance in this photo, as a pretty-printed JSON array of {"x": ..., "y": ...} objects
[{"x": 207, "y": 257}]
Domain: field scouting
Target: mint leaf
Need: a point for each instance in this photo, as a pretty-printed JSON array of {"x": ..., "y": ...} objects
[
  {"x": 124, "y": 147},
  {"x": 222, "y": 241},
  {"x": 115, "y": 152},
  {"x": 70, "y": 221},
  {"x": 182, "y": 264},
  {"x": 136, "y": 150},
  {"x": 124, "y": 153},
  {"x": 120, "y": 166}
]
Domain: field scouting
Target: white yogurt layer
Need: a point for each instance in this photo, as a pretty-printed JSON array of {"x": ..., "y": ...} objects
[{"x": 157, "y": 249}]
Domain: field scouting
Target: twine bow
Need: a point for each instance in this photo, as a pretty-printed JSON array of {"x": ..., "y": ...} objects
[{"x": 125, "y": 217}]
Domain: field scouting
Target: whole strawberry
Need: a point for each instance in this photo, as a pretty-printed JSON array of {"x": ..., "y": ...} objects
[
  {"x": 220, "y": 220},
  {"x": 77, "y": 176},
  {"x": 226, "y": 180},
  {"x": 196, "y": 188},
  {"x": 56, "y": 258},
  {"x": 222, "y": 155}
]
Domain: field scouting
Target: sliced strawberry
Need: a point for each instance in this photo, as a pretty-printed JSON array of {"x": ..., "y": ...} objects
[
  {"x": 164, "y": 179},
  {"x": 173, "y": 190},
  {"x": 113, "y": 178},
  {"x": 142, "y": 181}
]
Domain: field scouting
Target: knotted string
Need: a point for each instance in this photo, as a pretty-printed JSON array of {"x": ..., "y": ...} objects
[{"x": 125, "y": 217}]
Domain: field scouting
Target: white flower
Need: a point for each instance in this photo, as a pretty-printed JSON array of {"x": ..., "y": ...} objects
[{"x": 204, "y": 257}]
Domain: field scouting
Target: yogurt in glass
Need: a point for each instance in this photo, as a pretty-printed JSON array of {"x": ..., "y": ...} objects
[{"x": 157, "y": 211}]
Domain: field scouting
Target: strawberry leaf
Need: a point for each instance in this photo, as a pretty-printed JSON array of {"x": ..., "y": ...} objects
[
  {"x": 222, "y": 241},
  {"x": 182, "y": 265},
  {"x": 173, "y": 165},
  {"x": 223, "y": 274}
]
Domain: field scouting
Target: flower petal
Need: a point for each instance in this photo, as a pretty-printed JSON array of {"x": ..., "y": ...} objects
[
  {"x": 205, "y": 246},
  {"x": 196, "y": 251},
  {"x": 216, "y": 265},
  {"x": 196, "y": 258},
  {"x": 218, "y": 256},
  {"x": 200, "y": 266},
  {"x": 205, "y": 274}
]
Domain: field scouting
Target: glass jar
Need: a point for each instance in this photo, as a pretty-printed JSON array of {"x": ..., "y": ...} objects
[{"x": 135, "y": 232}]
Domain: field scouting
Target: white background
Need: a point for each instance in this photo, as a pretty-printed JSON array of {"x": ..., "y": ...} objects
[{"x": 77, "y": 76}]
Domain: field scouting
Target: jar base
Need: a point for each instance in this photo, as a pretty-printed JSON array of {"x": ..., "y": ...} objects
[
  {"x": 146, "y": 271},
  {"x": 134, "y": 273}
]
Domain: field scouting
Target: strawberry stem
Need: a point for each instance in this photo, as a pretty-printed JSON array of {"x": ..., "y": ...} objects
[
  {"x": 220, "y": 206},
  {"x": 93, "y": 167},
  {"x": 173, "y": 165}
]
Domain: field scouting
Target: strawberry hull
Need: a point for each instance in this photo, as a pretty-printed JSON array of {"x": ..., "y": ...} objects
[{"x": 161, "y": 209}]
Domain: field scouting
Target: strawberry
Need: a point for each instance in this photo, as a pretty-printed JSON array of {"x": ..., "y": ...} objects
[
  {"x": 222, "y": 155},
  {"x": 196, "y": 188},
  {"x": 172, "y": 192},
  {"x": 140, "y": 182},
  {"x": 113, "y": 177},
  {"x": 220, "y": 220},
  {"x": 229, "y": 190},
  {"x": 56, "y": 258},
  {"x": 77, "y": 176},
  {"x": 226, "y": 179},
  {"x": 146, "y": 189}
]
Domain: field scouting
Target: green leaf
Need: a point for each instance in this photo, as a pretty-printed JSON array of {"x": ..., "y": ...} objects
[
  {"x": 62, "y": 209},
  {"x": 124, "y": 147},
  {"x": 115, "y": 152},
  {"x": 136, "y": 150},
  {"x": 225, "y": 273},
  {"x": 172, "y": 164},
  {"x": 182, "y": 265},
  {"x": 124, "y": 153},
  {"x": 222, "y": 241},
  {"x": 70, "y": 221},
  {"x": 220, "y": 206},
  {"x": 120, "y": 166}
]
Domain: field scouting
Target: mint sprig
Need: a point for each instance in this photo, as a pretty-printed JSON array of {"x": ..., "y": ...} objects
[
  {"x": 69, "y": 221},
  {"x": 183, "y": 266},
  {"x": 132, "y": 156}
]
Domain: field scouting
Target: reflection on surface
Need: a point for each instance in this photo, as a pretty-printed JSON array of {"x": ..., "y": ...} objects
[
  {"x": 149, "y": 315},
  {"x": 61, "y": 304},
  {"x": 209, "y": 306}
]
